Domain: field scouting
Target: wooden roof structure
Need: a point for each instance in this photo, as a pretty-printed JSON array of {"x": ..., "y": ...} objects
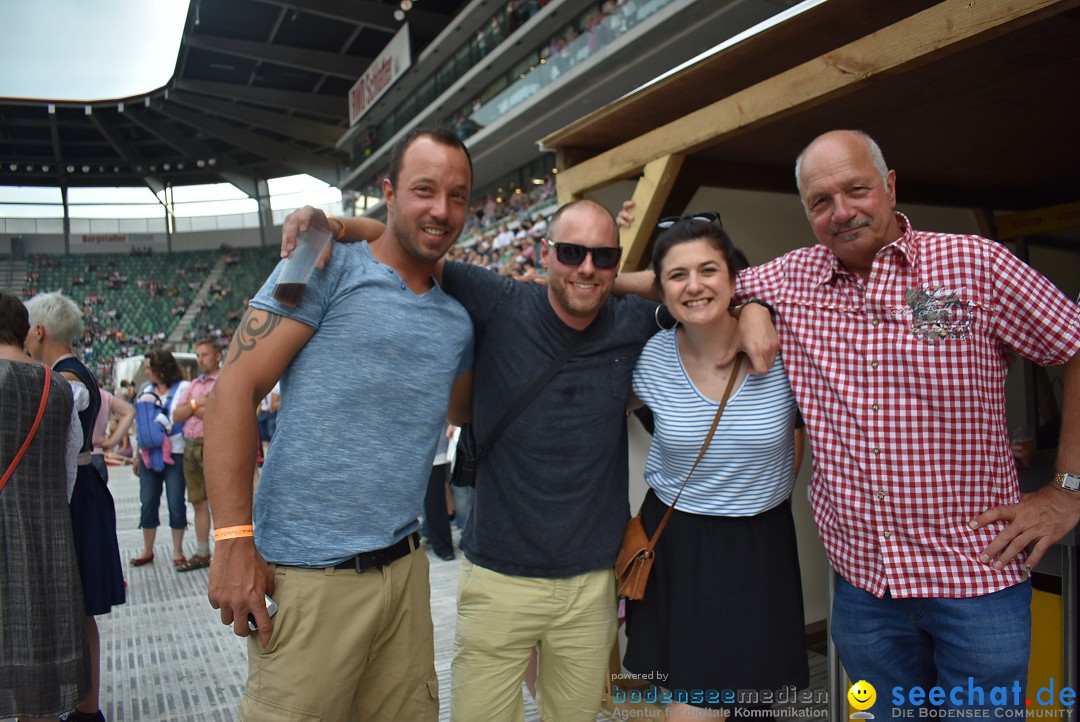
[{"x": 974, "y": 102}]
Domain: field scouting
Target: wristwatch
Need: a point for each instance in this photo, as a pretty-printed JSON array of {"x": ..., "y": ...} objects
[
  {"x": 1068, "y": 482},
  {"x": 758, "y": 301}
]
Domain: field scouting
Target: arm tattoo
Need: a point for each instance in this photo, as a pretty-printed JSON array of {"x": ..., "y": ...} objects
[{"x": 251, "y": 330}]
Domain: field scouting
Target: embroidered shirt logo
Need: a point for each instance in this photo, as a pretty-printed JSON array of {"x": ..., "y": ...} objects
[{"x": 938, "y": 314}]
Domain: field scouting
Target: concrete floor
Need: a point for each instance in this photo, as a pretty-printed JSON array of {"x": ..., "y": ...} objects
[{"x": 167, "y": 657}]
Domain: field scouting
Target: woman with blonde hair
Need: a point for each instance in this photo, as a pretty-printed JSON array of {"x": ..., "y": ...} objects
[
  {"x": 44, "y": 667},
  {"x": 55, "y": 322}
]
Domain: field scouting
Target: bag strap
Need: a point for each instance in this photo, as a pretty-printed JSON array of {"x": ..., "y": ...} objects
[
  {"x": 33, "y": 431},
  {"x": 708, "y": 438},
  {"x": 169, "y": 398},
  {"x": 527, "y": 396}
]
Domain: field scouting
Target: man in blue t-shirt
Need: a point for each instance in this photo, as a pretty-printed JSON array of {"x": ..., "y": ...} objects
[{"x": 371, "y": 359}]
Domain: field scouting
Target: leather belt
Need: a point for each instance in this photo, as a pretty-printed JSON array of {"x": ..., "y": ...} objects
[{"x": 381, "y": 557}]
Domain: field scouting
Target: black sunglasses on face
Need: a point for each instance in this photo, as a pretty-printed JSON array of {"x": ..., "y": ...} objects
[
  {"x": 573, "y": 254},
  {"x": 708, "y": 216}
]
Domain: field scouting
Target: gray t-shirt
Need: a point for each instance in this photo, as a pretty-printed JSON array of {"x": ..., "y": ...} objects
[
  {"x": 551, "y": 497},
  {"x": 362, "y": 406}
]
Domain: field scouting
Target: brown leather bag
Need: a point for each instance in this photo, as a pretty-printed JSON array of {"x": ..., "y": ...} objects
[{"x": 636, "y": 555}]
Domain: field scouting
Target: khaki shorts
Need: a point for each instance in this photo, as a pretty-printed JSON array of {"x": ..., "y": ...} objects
[
  {"x": 346, "y": 646},
  {"x": 194, "y": 476},
  {"x": 501, "y": 618}
]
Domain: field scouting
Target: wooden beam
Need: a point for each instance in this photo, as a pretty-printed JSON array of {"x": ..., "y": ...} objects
[
  {"x": 922, "y": 38},
  {"x": 985, "y": 223},
  {"x": 1064, "y": 244},
  {"x": 649, "y": 198},
  {"x": 566, "y": 157},
  {"x": 1043, "y": 220}
]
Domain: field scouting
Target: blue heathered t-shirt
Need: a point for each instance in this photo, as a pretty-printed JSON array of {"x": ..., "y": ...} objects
[{"x": 362, "y": 406}]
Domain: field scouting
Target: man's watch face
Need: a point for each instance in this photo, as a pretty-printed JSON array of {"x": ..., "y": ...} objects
[{"x": 1068, "y": 481}]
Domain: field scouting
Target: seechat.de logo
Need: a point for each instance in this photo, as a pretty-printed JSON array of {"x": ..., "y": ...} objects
[{"x": 972, "y": 700}]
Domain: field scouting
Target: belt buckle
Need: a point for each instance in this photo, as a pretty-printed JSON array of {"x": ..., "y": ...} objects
[{"x": 370, "y": 560}]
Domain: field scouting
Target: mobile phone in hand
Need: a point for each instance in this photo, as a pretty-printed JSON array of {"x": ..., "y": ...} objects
[{"x": 271, "y": 610}]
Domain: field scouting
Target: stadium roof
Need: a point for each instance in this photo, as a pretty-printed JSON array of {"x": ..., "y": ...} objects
[{"x": 259, "y": 92}]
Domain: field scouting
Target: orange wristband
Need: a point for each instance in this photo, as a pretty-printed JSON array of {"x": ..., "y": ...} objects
[
  {"x": 233, "y": 532},
  {"x": 340, "y": 234}
]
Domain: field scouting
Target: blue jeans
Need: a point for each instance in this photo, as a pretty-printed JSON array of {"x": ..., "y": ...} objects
[
  {"x": 975, "y": 643},
  {"x": 150, "y": 482},
  {"x": 267, "y": 425},
  {"x": 462, "y": 505}
]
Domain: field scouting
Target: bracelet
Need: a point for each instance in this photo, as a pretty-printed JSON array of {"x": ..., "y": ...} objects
[
  {"x": 234, "y": 532},
  {"x": 340, "y": 234}
]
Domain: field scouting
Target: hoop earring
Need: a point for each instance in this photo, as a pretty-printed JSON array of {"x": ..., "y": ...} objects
[{"x": 662, "y": 327}]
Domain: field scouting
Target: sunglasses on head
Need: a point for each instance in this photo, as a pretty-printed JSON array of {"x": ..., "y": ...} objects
[
  {"x": 573, "y": 254},
  {"x": 707, "y": 216}
]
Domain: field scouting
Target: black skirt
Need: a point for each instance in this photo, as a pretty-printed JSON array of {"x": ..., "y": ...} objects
[{"x": 723, "y": 609}]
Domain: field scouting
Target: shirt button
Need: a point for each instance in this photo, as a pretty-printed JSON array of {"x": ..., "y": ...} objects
[
  {"x": 875, "y": 407},
  {"x": 874, "y": 322},
  {"x": 887, "y": 534},
  {"x": 403, "y": 287},
  {"x": 873, "y": 364},
  {"x": 881, "y": 495},
  {"x": 876, "y": 450}
]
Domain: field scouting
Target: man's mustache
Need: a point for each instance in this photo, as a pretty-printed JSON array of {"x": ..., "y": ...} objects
[{"x": 852, "y": 225}]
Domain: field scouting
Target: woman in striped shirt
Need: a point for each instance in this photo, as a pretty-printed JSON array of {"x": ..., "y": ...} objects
[{"x": 723, "y": 611}]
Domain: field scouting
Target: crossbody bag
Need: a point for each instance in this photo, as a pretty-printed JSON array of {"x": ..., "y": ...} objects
[
  {"x": 468, "y": 453},
  {"x": 636, "y": 555}
]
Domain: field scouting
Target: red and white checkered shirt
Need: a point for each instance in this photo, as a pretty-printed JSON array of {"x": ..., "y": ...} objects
[{"x": 901, "y": 383}]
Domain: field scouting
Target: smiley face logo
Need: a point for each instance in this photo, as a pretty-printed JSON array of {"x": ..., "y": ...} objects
[{"x": 862, "y": 695}]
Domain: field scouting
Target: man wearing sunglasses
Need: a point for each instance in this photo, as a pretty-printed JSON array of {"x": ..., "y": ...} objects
[{"x": 550, "y": 503}]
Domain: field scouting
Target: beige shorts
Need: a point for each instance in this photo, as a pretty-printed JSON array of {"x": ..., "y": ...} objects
[
  {"x": 194, "y": 476},
  {"x": 501, "y": 618},
  {"x": 346, "y": 646}
]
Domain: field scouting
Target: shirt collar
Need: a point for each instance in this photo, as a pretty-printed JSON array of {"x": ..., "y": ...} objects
[
  {"x": 830, "y": 267},
  {"x": 212, "y": 376}
]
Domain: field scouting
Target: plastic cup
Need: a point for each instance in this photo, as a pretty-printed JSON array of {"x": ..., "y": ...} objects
[{"x": 295, "y": 274}]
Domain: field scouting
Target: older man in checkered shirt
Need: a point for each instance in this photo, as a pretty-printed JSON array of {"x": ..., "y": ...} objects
[{"x": 898, "y": 343}]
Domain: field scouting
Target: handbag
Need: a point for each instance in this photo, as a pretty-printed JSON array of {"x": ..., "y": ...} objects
[
  {"x": 33, "y": 432},
  {"x": 468, "y": 453},
  {"x": 463, "y": 470},
  {"x": 636, "y": 555}
]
